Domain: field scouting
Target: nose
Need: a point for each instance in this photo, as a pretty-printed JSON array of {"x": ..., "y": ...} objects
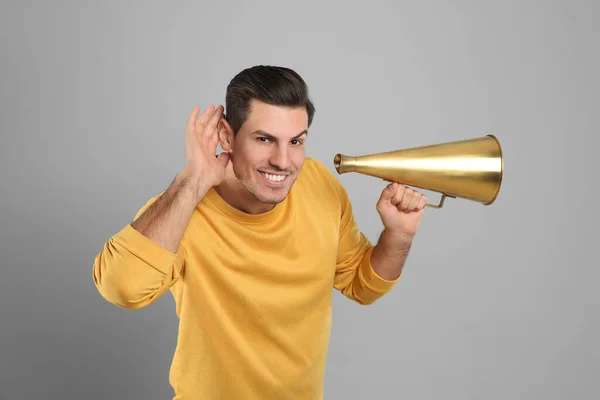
[{"x": 280, "y": 157}]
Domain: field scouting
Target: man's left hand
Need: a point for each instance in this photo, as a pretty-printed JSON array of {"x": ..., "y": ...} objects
[{"x": 401, "y": 209}]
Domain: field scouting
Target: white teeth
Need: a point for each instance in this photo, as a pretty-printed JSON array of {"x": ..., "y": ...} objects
[{"x": 274, "y": 178}]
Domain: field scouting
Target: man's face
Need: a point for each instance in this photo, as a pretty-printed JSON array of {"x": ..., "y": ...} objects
[{"x": 268, "y": 151}]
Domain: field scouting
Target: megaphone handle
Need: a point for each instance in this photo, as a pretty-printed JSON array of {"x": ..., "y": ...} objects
[
  {"x": 441, "y": 201},
  {"x": 433, "y": 205}
]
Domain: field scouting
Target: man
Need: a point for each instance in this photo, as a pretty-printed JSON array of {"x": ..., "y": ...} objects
[{"x": 250, "y": 243}]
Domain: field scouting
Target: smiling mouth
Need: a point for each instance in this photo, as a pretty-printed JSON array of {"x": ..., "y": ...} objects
[{"x": 274, "y": 178}]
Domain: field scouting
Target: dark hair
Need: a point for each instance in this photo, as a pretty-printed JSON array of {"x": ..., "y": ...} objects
[{"x": 273, "y": 85}]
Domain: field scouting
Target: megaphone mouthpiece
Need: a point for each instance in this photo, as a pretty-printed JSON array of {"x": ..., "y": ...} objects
[{"x": 344, "y": 163}]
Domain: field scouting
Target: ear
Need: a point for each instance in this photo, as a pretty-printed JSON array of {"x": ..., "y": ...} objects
[{"x": 225, "y": 135}]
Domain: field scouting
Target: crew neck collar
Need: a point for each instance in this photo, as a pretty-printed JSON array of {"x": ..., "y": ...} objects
[{"x": 216, "y": 201}]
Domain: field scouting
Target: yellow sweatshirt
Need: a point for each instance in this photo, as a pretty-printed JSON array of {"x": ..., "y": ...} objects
[{"x": 252, "y": 292}]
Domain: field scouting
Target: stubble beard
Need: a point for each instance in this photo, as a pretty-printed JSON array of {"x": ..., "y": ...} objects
[{"x": 253, "y": 188}]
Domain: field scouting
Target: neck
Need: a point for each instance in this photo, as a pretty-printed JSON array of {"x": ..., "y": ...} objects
[{"x": 237, "y": 196}]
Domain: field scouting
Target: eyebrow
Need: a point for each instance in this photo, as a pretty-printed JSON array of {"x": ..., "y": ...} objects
[{"x": 268, "y": 135}]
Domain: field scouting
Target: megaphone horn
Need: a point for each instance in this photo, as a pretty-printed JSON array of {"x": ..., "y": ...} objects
[{"x": 470, "y": 169}]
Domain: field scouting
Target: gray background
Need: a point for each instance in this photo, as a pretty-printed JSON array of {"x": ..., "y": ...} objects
[{"x": 497, "y": 302}]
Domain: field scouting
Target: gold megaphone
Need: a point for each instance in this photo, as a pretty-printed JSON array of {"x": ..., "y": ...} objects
[{"x": 471, "y": 169}]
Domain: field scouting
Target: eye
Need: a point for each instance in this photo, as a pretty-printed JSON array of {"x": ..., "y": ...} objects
[
  {"x": 262, "y": 139},
  {"x": 297, "y": 142}
]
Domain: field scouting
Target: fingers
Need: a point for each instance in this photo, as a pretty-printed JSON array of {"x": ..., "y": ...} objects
[
  {"x": 416, "y": 198},
  {"x": 211, "y": 125},
  {"x": 209, "y": 118},
  {"x": 204, "y": 118},
  {"x": 407, "y": 199},
  {"x": 191, "y": 124},
  {"x": 386, "y": 195},
  {"x": 194, "y": 122},
  {"x": 401, "y": 197},
  {"x": 213, "y": 138},
  {"x": 397, "y": 193}
]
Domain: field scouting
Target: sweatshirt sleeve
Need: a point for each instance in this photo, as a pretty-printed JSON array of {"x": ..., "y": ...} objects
[
  {"x": 355, "y": 276},
  {"x": 131, "y": 271}
]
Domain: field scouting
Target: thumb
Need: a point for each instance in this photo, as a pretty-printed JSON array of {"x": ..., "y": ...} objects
[
  {"x": 387, "y": 193},
  {"x": 223, "y": 158}
]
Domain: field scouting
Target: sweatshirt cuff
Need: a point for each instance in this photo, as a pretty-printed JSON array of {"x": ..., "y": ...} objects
[
  {"x": 145, "y": 249},
  {"x": 371, "y": 279}
]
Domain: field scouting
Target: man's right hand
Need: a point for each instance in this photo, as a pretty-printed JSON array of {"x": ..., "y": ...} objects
[{"x": 203, "y": 169}]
